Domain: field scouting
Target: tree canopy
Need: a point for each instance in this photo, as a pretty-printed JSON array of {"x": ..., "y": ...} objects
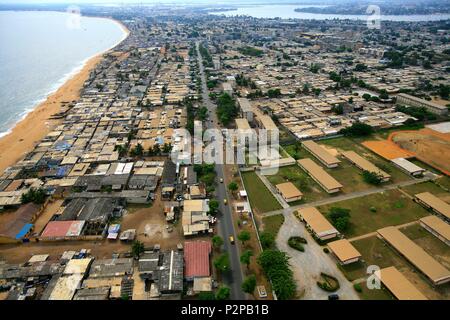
[{"x": 275, "y": 265}]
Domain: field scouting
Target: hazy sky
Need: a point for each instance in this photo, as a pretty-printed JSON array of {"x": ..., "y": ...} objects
[
  {"x": 150, "y": 1},
  {"x": 135, "y": 1}
]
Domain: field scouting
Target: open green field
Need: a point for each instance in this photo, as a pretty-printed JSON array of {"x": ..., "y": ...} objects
[
  {"x": 424, "y": 187},
  {"x": 273, "y": 224},
  {"x": 389, "y": 208},
  {"x": 374, "y": 252},
  {"x": 435, "y": 247},
  {"x": 260, "y": 197},
  {"x": 296, "y": 151},
  {"x": 310, "y": 189},
  {"x": 374, "y": 294},
  {"x": 349, "y": 176},
  {"x": 347, "y": 144}
]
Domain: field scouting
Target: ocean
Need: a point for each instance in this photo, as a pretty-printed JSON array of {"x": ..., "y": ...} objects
[{"x": 39, "y": 51}]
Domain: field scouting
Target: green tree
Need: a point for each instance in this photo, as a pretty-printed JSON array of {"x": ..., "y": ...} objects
[
  {"x": 267, "y": 239},
  {"x": 206, "y": 296},
  {"x": 339, "y": 109},
  {"x": 121, "y": 149},
  {"x": 233, "y": 186},
  {"x": 444, "y": 91},
  {"x": 305, "y": 88},
  {"x": 137, "y": 248},
  {"x": 383, "y": 95},
  {"x": 167, "y": 147},
  {"x": 340, "y": 218},
  {"x": 222, "y": 263},
  {"x": 273, "y": 93},
  {"x": 372, "y": 177},
  {"x": 226, "y": 108},
  {"x": 357, "y": 129},
  {"x": 275, "y": 265},
  {"x": 366, "y": 96},
  {"x": 156, "y": 150},
  {"x": 213, "y": 206},
  {"x": 244, "y": 236},
  {"x": 217, "y": 242},
  {"x": 360, "y": 67},
  {"x": 36, "y": 196},
  {"x": 249, "y": 284},
  {"x": 223, "y": 293},
  {"x": 137, "y": 151},
  {"x": 208, "y": 178},
  {"x": 246, "y": 257}
]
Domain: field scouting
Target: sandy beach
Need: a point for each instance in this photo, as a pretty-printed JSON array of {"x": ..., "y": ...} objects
[{"x": 37, "y": 124}]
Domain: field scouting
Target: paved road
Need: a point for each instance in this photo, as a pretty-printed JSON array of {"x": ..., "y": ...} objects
[
  {"x": 346, "y": 196},
  {"x": 308, "y": 265},
  {"x": 225, "y": 225}
]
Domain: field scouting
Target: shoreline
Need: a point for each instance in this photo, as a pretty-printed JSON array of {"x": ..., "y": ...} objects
[{"x": 37, "y": 123}]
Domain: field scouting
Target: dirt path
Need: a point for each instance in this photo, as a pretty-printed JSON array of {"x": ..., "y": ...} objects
[
  {"x": 23, "y": 252},
  {"x": 373, "y": 234}
]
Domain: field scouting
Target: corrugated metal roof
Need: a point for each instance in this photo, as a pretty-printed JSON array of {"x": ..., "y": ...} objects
[{"x": 196, "y": 257}]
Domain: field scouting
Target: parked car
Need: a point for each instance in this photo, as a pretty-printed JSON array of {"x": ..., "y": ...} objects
[{"x": 333, "y": 296}]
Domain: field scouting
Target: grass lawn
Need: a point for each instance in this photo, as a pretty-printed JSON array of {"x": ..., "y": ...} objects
[
  {"x": 435, "y": 247},
  {"x": 444, "y": 182},
  {"x": 283, "y": 153},
  {"x": 392, "y": 208},
  {"x": 273, "y": 224},
  {"x": 374, "y": 294},
  {"x": 297, "y": 151},
  {"x": 349, "y": 176},
  {"x": 375, "y": 252},
  {"x": 310, "y": 189},
  {"x": 426, "y": 186},
  {"x": 260, "y": 197},
  {"x": 347, "y": 144}
]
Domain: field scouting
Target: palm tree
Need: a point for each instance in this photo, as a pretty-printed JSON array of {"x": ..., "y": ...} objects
[{"x": 137, "y": 248}]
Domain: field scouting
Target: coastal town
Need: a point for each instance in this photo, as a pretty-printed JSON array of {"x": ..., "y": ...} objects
[{"x": 111, "y": 204}]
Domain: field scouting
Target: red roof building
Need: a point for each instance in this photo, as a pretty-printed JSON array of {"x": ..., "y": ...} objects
[
  {"x": 62, "y": 229},
  {"x": 196, "y": 259}
]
